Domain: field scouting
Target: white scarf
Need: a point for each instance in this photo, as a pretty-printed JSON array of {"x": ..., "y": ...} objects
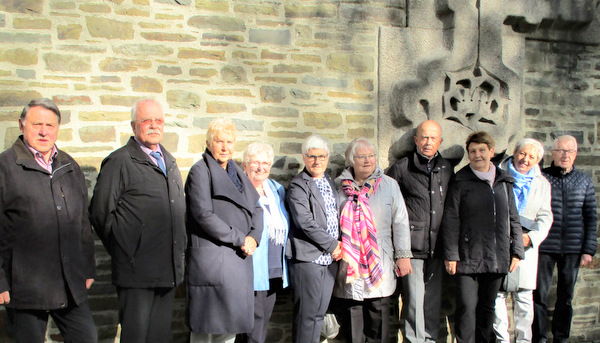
[{"x": 273, "y": 216}]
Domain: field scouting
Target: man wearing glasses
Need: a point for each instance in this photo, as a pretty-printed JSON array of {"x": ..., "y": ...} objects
[{"x": 570, "y": 243}]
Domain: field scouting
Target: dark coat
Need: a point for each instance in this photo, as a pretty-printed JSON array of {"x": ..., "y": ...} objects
[
  {"x": 574, "y": 207},
  {"x": 475, "y": 228},
  {"x": 138, "y": 213},
  {"x": 46, "y": 242},
  {"x": 220, "y": 289},
  {"x": 424, "y": 195},
  {"x": 308, "y": 236}
]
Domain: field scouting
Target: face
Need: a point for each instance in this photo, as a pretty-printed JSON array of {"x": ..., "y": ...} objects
[
  {"x": 40, "y": 129},
  {"x": 258, "y": 168},
  {"x": 364, "y": 163},
  {"x": 428, "y": 138},
  {"x": 480, "y": 156},
  {"x": 525, "y": 159},
  {"x": 316, "y": 161},
  {"x": 221, "y": 147},
  {"x": 564, "y": 154},
  {"x": 149, "y": 124}
]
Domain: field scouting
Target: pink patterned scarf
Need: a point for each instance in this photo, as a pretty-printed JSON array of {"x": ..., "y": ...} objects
[{"x": 359, "y": 235}]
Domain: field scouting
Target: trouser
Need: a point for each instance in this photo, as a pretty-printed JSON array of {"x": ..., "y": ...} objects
[
  {"x": 211, "y": 338},
  {"x": 313, "y": 284},
  {"x": 75, "y": 323},
  {"x": 145, "y": 314},
  {"x": 567, "y": 266},
  {"x": 522, "y": 316},
  {"x": 475, "y": 301},
  {"x": 367, "y": 320},
  {"x": 421, "y": 300},
  {"x": 264, "y": 302}
]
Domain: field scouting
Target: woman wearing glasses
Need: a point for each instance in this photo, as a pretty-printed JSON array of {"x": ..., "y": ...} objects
[
  {"x": 270, "y": 267},
  {"x": 375, "y": 242},
  {"x": 314, "y": 234}
]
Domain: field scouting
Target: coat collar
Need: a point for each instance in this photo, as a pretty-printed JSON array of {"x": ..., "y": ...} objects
[
  {"x": 504, "y": 165},
  {"x": 25, "y": 158},
  {"x": 138, "y": 155},
  {"x": 466, "y": 174}
]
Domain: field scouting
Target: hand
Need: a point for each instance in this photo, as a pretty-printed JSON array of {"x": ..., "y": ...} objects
[
  {"x": 88, "y": 283},
  {"x": 450, "y": 267},
  {"x": 514, "y": 263},
  {"x": 586, "y": 259},
  {"x": 249, "y": 246},
  {"x": 4, "y": 298},
  {"x": 404, "y": 266},
  {"x": 526, "y": 240},
  {"x": 336, "y": 255}
]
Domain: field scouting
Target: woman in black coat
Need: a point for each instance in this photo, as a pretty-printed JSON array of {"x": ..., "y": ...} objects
[{"x": 482, "y": 238}]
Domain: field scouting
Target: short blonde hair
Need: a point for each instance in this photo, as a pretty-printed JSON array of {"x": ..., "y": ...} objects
[
  {"x": 525, "y": 142},
  {"x": 220, "y": 125},
  {"x": 256, "y": 148}
]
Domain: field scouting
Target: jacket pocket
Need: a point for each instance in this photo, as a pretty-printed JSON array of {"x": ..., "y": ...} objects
[{"x": 205, "y": 265}]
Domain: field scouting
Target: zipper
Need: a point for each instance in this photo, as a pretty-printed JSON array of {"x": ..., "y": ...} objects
[{"x": 59, "y": 168}]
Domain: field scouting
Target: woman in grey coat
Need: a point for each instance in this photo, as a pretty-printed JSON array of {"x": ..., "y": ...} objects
[
  {"x": 224, "y": 222},
  {"x": 375, "y": 243}
]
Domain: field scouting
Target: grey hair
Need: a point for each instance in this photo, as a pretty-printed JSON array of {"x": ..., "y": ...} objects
[
  {"x": 565, "y": 138},
  {"x": 315, "y": 142},
  {"x": 527, "y": 142},
  {"x": 42, "y": 102},
  {"x": 256, "y": 148},
  {"x": 355, "y": 144},
  {"x": 134, "y": 108}
]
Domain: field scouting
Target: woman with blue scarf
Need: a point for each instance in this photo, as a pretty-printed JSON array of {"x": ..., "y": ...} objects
[{"x": 532, "y": 197}]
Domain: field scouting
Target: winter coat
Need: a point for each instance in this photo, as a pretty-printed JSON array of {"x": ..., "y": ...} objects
[
  {"x": 424, "y": 195},
  {"x": 481, "y": 228},
  {"x": 308, "y": 235},
  {"x": 138, "y": 213},
  {"x": 220, "y": 290},
  {"x": 537, "y": 218},
  {"x": 46, "y": 242},
  {"x": 574, "y": 207},
  {"x": 393, "y": 237}
]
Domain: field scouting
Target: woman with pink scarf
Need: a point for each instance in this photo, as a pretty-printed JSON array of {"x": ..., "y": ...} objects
[{"x": 375, "y": 244}]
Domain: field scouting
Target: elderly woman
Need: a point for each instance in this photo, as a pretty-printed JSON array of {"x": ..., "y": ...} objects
[
  {"x": 224, "y": 222},
  {"x": 314, "y": 244},
  {"x": 482, "y": 238},
  {"x": 375, "y": 243},
  {"x": 532, "y": 194},
  {"x": 270, "y": 267}
]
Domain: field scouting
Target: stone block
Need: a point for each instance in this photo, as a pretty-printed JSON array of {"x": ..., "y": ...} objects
[
  {"x": 224, "y": 37},
  {"x": 146, "y": 84},
  {"x": 167, "y": 37},
  {"x": 203, "y": 72},
  {"x": 196, "y": 143},
  {"x": 288, "y": 135},
  {"x": 26, "y": 74},
  {"x": 69, "y": 31},
  {"x": 279, "y": 112},
  {"x": 300, "y": 94},
  {"x": 72, "y": 100},
  {"x": 361, "y": 132},
  {"x": 276, "y": 79},
  {"x": 295, "y": 10},
  {"x": 284, "y": 124},
  {"x": 2, "y": 20},
  {"x": 272, "y": 93},
  {"x": 248, "y": 125},
  {"x": 326, "y": 120},
  {"x": 324, "y": 82},
  {"x": 290, "y": 148},
  {"x": 293, "y": 69},
  {"x": 262, "y": 9},
  {"x": 167, "y": 16},
  {"x": 244, "y": 55},
  {"x": 22, "y": 6},
  {"x": 195, "y": 54},
  {"x": 19, "y": 56},
  {"x": 360, "y": 119},
  {"x": 105, "y": 79},
  {"x": 95, "y": 8},
  {"x": 237, "y": 92},
  {"x": 351, "y": 63},
  {"x": 133, "y": 12},
  {"x": 65, "y": 135},
  {"x": 356, "y": 96},
  {"x": 171, "y": 142},
  {"x": 34, "y": 24},
  {"x": 183, "y": 99},
  {"x": 234, "y": 74},
  {"x": 17, "y": 98},
  {"x": 278, "y": 37},
  {"x": 118, "y": 100},
  {"x": 363, "y": 85},
  {"x": 100, "y": 27},
  {"x": 143, "y": 50},
  {"x": 212, "y": 5},
  {"x": 10, "y": 37},
  {"x": 65, "y": 5},
  {"x": 166, "y": 70},
  {"x": 113, "y": 64},
  {"x": 306, "y": 58},
  {"x": 352, "y": 106},
  {"x": 224, "y": 107},
  {"x": 220, "y": 23},
  {"x": 104, "y": 116},
  {"x": 268, "y": 55},
  {"x": 90, "y": 134}
]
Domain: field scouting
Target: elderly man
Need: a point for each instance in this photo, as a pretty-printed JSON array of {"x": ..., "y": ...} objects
[
  {"x": 46, "y": 243},
  {"x": 571, "y": 241},
  {"x": 138, "y": 211},
  {"x": 423, "y": 177}
]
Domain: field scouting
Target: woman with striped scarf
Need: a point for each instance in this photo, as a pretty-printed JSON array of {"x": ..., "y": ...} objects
[{"x": 375, "y": 244}]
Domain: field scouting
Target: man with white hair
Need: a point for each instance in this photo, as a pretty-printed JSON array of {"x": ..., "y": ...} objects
[{"x": 571, "y": 241}]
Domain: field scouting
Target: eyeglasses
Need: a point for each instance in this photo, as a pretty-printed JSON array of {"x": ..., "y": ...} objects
[
  {"x": 256, "y": 164},
  {"x": 314, "y": 158},
  {"x": 565, "y": 151},
  {"x": 364, "y": 157}
]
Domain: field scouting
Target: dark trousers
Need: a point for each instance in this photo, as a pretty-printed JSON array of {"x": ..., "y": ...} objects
[
  {"x": 568, "y": 268},
  {"x": 312, "y": 285},
  {"x": 264, "y": 302},
  {"x": 145, "y": 314},
  {"x": 366, "y": 321},
  {"x": 74, "y": 322},
  {"x": 475, "y": 304}
]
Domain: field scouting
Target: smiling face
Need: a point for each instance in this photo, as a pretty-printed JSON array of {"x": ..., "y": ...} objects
[
  {"x": 525, "y": 159},
  {"x": 364, "y": 163},
  {"x": 316, "y": 161},
  {"x": 221, "y": 147},
  {"x": 480, "y": 156},
  {"x": 258, "y": 168},
  {"x": 149, "y": 124},
  {"x": 40, "y": 129}
]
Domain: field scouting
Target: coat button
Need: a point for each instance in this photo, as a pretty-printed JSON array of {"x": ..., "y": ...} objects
[{"x": 59, "y": 208}]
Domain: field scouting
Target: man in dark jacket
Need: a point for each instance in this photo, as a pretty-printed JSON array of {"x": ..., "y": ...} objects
[
  {"x": 571, "y": 241},
  {"x": 46, "y": 243},
  {"x": 138, "y": 211},
  {"x": 423, "y": 177}
]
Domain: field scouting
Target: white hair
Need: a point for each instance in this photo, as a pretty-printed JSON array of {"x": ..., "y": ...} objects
[
  {"x": 355, "y": 144},
  {"x": 315, "y": 142},
  {"x": 256, "y": 148},
  {"x": 527, "y": 142}
]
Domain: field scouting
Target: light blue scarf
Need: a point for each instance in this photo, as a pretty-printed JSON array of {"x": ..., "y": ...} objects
[{"x": 522, "y": 185}]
